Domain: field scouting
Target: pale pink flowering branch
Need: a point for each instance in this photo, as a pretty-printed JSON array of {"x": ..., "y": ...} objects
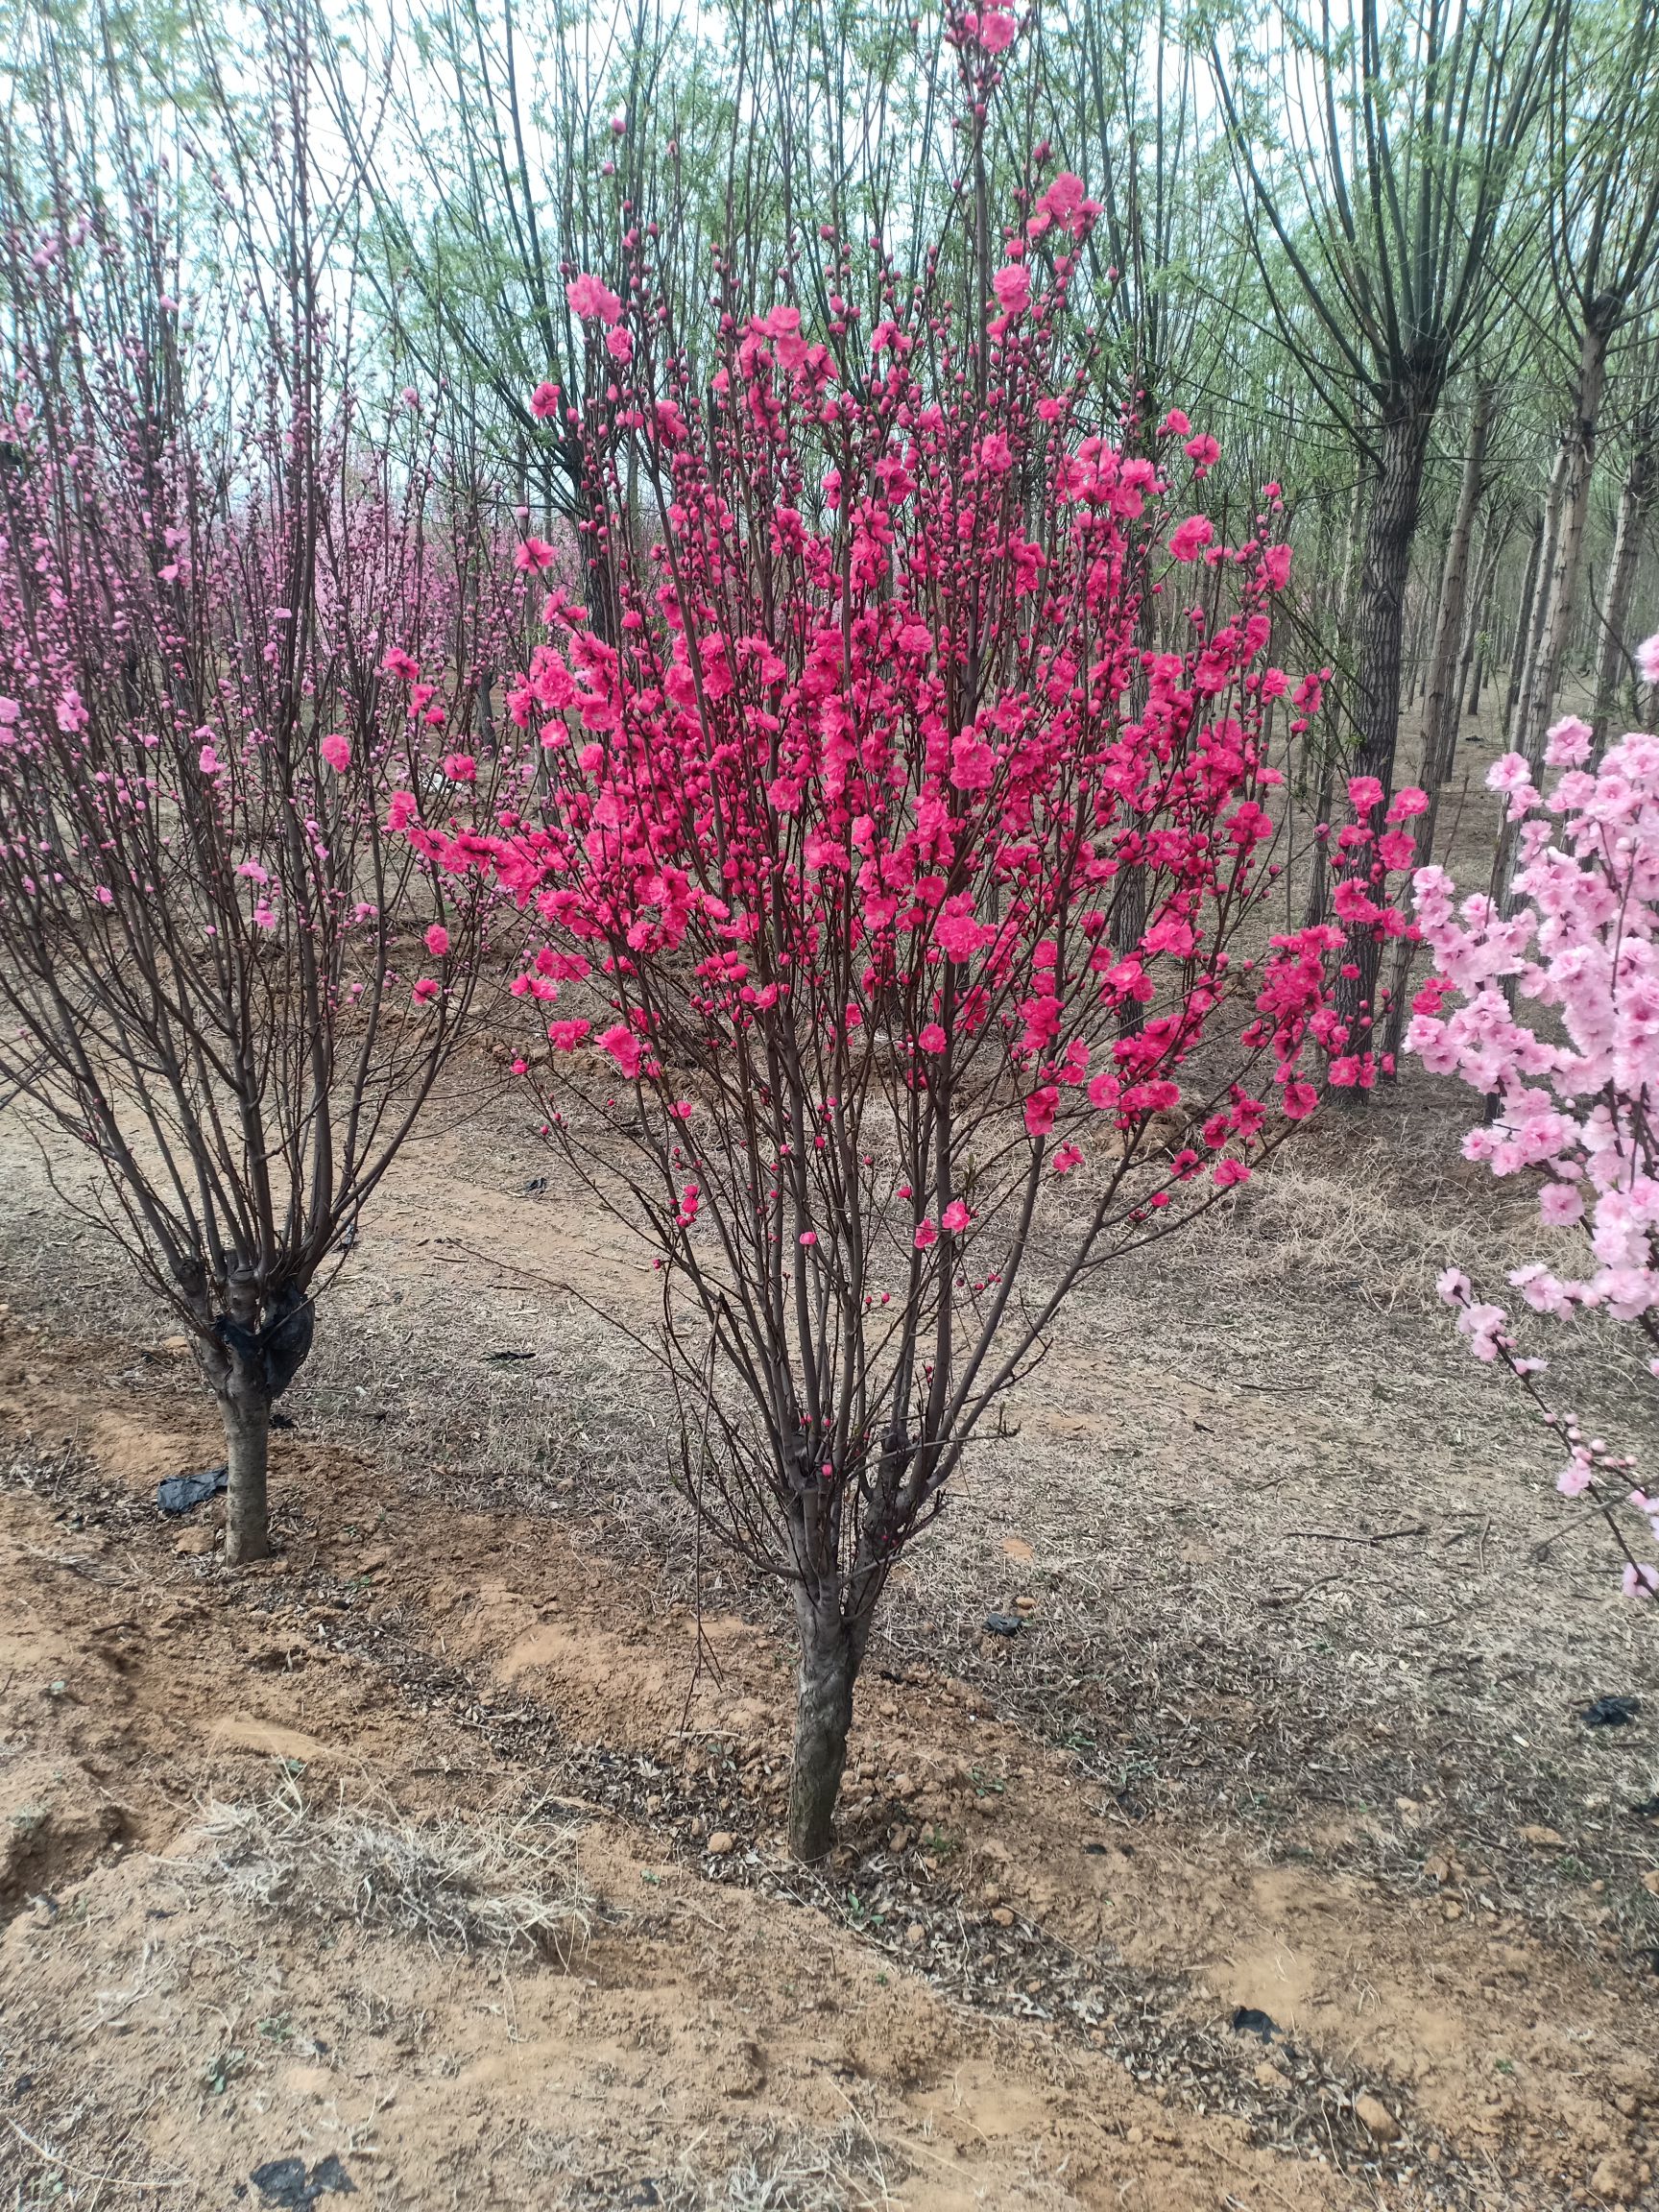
[
  {"x": 1576, "y": 1097},
  {"x": 1592, "y": 1469}
]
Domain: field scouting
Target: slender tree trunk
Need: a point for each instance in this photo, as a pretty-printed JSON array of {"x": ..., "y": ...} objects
[
  {"x": 1477, "y": 662},
  {"x": 1559, "y": 579},
  {"x": 1520, "y": 650},
  {"x": 1318, "y": 905},
  {"x": 247, "y": 1419},
  {"x": 1445, "y": 671},
  {"x": 1440, "y": 718},
  {"x": 830, "y": 1650},
  {"x": 1317, "y": 909},
  {"x": 1538, "y": 604},
  {"x": 1636, "y": 500}
]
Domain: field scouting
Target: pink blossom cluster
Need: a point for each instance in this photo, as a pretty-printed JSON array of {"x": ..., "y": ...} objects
[
  {"x": 1574, "y": 1092},
  {"x": 194, "y": 740},
  {"x": 892, "y": 720}
]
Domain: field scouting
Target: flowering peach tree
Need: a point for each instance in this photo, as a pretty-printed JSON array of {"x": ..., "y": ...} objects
[
  {"x": 902, "y": 874},
  {"x": 225, "y": 975},
  {"x": 1575, "y": 1094}
]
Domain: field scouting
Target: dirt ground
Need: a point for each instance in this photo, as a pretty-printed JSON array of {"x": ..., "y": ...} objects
[
  {"x": 1283, "y": 1859},
  {"x": 1273, "y": 1864}
]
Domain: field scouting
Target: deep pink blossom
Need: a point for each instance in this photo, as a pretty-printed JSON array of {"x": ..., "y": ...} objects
[
  {"x": 1040, "y": 1110},
  {"x": 624, "y": 1047},
  {"x": 1012, "y": 285},
  {"x": 590, "y": 301}
]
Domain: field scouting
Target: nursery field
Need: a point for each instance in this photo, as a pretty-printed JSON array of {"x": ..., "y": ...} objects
[
  {"x": 828, "y": 1107},
  {"x": 1288, "y": 1853}
]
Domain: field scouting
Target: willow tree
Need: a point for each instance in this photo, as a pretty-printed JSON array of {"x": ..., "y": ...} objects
[{"x": 1379, "y": 181}]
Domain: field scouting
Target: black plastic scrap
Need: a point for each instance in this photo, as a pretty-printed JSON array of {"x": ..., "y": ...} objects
[
  {"x": 1611, "y": 1713},
  {"x": 1003, "y": 1623},
  {"x": 179, "y": 1493},
  {"x": 283, "y": 2181},
  {"x": 1248, "y": 2020}
]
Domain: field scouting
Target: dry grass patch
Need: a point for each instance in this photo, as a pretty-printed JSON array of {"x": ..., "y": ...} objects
[
  {"x": 509, "y": 1886},
  {"x": 778, "y": 2170}
]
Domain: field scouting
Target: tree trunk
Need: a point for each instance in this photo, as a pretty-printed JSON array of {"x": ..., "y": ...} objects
[
  {"x": 247, "y": 1419},
  {"x": 1441, "y": 717},
  {"x": 1128, "y": 924},
  {"x": 1445, "y": 670},
  {"x": 1477, "y": 638},
  {"x": 1521, "y": 647},
  {"x": 247, "y": 1366},
  {"x": 828, "y": 1667},
  {"x": 1635, "y": 500},
  {"x": 1391, "y": 529},
  {"x": 1317, "y": 909},
  {"x": 1559, "y": 580}
]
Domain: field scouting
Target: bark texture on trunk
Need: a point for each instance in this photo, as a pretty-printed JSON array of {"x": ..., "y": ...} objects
[
  {"x": 1390, "y": 528},
  {"x": 249, "y": 1353},
  {"x": 824, "y": 1682},
  {"x": 247, "y": 1420}
]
